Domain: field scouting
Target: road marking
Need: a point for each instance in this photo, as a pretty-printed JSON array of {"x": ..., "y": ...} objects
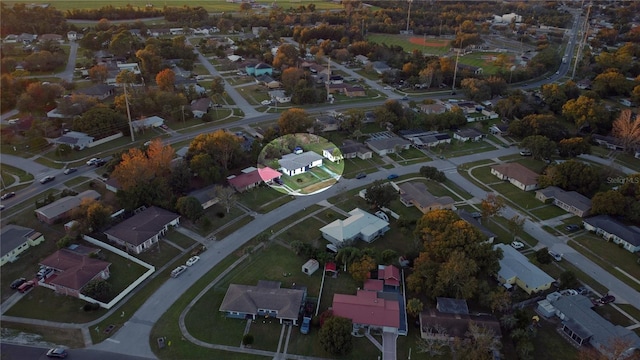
[{"x": 113, "y": 341}]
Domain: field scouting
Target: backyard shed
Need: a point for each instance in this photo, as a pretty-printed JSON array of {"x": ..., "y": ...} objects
[{"x": 310, "y": 266}]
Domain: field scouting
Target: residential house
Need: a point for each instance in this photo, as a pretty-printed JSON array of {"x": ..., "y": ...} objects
[
  {"x": 141, "y": 231},
  {"x": 436, "y": 108},
  {"x": 147, "y": 123},
  {"x": 294, "y": 164},
  {"x": 390, "y": 276},
  {"x": 359, "y": 225},
  {"x": 206, "y": 196},
  {"x": 430, "y": 140},
  {"x": 363, "y": 60},
  {"x": 15, "y": 239},
  {"x": 72, "y": 36},
  {"x": 327, "y": 123},
  {"x": 268, "y": 81},
  {"x": 584, "y": 84},
  {"x": 453, "y": 318},
  {"x": 266, "y": 299},
  {"x": 517, "y": 174},
  {"x": 582, "y": 325},
  {"x": 10, "y": 39},
  {"x": 354, "y": 91},
  {"x": 200, "y": 107},
  {"x": 252, "y": 177},
  {"x": 72, "y": 271},
  {"x": 50, "y": 37},
  {"x": 380, "y": 67},
  {"x": 279, "y": 96},
  {"x": 112, "y": 185},
  {"x": 98, "y": 91},
  {"x": 609, "y": 142},
  {"x": 626, "y": 102},
  {"x": 369, "y": 310},
  {"x": 499, "y": 129},
  {"x": 417, "y": 194},
  {"x": 77, "y": 140},
  {"x": 259, "y": 69},
  {"x": 569, "y": 201},
  {"x": 26, "y": 39},
  {"x": 470, "y": 68},
  {"x": 333, "y": 154},
  {"x": 469, "y": 134},
  {"x": 613, "y": 230},
  {"x": 159, "y": 32},
  {"x": 515, "y": 269},
  {"x": 475, "y": 222},
  {"x": 351, "y": 149},
  {"x": 61, "y": 209},
  {"x": 388, "y": 145}
]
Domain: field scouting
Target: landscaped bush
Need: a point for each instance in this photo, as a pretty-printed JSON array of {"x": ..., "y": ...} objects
[{"x": 247, "y": 339}]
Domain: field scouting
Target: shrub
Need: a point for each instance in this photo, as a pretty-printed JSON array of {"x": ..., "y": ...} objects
[{"x": 247, "y": 339}]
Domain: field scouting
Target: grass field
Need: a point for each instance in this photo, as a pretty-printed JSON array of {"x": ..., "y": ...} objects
[
  {"x": 209, "y": 5},
  {"x": 430, "y": 46},
  {"x": 480, "y": 59}
]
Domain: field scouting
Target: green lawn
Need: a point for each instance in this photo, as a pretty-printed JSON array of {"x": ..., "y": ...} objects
[
  {"x": 481, "y": 60},
  {"x": 215, "y": 217},
  {"x": 257, "y": 198},
  {"x": 405, "y": 42},
  {"x": 459, "y": 148},
  {"x": 547, "y": 212},
  {"x": 523, "y": 199},
  {"x": 483, "y": 174},
  {"x": 306, "y": 231},
  {"x": 179, "y": 239}
]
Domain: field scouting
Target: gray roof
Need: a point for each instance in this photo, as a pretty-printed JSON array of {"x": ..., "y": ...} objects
[
  {"x": 452, "y": 306},
  {"x": 12, "y": 236},
  {"x": 142, "y": 226},
  {"x": 96, "y": 90},
  {"x": 630, "y": 234},
  {"x": 297, "y": 161},
  {"x": 358, "y": 222},
  {"x": 586, "y": 322},
  {"x": 267, "y": 296},
  {"x": 515, "y": 264},
  {"x": 570, "y": 198},
  {"x": 419, "y": 193},
  {"x": 464, "y": 215},
  {"x": 387, "y": 143},
  {"x": 469, "y": 133},
  {"x": 65, "y": 204}
]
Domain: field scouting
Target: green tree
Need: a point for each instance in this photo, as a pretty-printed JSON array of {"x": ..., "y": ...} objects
[
  {"x": 101, "y": 121},
  {"x": 389, "y": 257},
  {"x": 414, "y": 307},
  {"x": 568, "y": 280},
  {"x": 222, "y": 146},
  {"x": 608, "y": 203},
  {"x": 572, "y": 176},
  {"x": 543, "y": 256},
  {"x": 491, "y": 205},
  {"x": 432, "y": 173},
  {"x": 347, "y": 255},
  {"x": 287, "y": 55},
  {"x": 573, "y": 147},
  {"x": 380, "y": 194},
  {"x": 335, "y": 335},
  {"x": 554, "y": 96},
  {"x": 585, "y": 110},
  {"x": 98, "y": 289},
  {"x": 189, "y": 207},
  {"x": 516, "y": 223},
  {"x": 540, "y": 146},
  {"x": 92, "y": 215},
  {"x": 217, "y": 86},
  {"x": 293, "y": 121}
]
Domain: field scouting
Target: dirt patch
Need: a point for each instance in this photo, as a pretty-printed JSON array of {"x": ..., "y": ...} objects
[
  {"x": 36, "y": 335},
  {"x": 428, "y": 42}
]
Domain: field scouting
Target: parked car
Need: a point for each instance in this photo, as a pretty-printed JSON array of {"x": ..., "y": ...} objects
[
  {"x": 361, "y": 175},
  {"x": 177, "y": 271},
  {"x": 392, "y": 176},
  {"x": 607, "y": 299},
  {"x": 100, "y": 162},
  {"x": 26, "y": 286},
  {"x": 555, "y": 255},
  {"x": 16, "y": 283},
  {"x": 517, "y": 245},
  {"x": 8, "y": 195},
  {"x": 47, "y": 179},
  {"x": 44, "y": 272},
  {"x": 583, "y": 290},
  {"x": 192, "y": 260},
  {"x": 266, "y": 102},
  {"x": 57, "y": 353},
  {"x": 306, "y": 324},
  {"x": 70, "y": 170},
  {"x": 572, "y": 227},
  {"x": 92, "y": 161},
  {"x": 332, "y": 248},
  {"x": 525, "y": 153},
  {"x": 278, "y": 181}
]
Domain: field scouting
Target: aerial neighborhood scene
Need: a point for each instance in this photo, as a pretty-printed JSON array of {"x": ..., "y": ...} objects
[{"x": 320, "y": 179}]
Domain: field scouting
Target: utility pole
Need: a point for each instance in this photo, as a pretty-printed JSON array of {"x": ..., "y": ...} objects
[
  {"x": 455, "y": 70},
  {"x": 126, "y": 101},
  {"x": 582, "y": 41},
  {"x": 409, "y": 15}
]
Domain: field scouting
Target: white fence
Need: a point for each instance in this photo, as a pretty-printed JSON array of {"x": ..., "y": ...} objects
[
  {"x": 105, "y": 140},
  {"x": 150, "y": 270}
]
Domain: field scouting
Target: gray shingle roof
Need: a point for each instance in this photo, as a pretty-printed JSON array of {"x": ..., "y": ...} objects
[
  {"x": 297, "y": 161},
  {"x": 630, "y": 234},
  {"x": 267, "y": 296},
  {"x": 142, "y": 226},
  {"x": 570, "y": 198},
  {"x": 13, "y": 236}
]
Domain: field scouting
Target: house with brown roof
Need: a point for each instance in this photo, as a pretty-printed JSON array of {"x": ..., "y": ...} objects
[
  {"x": 436, "y": 108},
  {"x": 252, "y": 177},
  {"x": 569, "y": 201},
  {"x": 417, "y": 194},
  {"x": 141, "y": 231},
  {"x": 15, "y": 240},
  {"x": 72, "y": 271},
  {"x": 266, "y": 299},
  {"x": 517, "y": 174},
  {"x": 200, "y": 107},
  {"x": 50, "y": 37},
  {"x": 61, "y": 209}
]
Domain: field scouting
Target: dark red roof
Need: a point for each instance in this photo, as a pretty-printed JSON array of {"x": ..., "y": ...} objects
[
  {"x": 331, "y": 267},
  {"x": 390, "y": 274},
  {"x": 74, "y": 270},
  {"x": 366, "y": 308},
  {"x": 244, "y": 180},
  {"x": 373, "y": 285}
]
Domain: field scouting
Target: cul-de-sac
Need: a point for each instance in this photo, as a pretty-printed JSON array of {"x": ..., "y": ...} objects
[{"x": 328, "y": 179}]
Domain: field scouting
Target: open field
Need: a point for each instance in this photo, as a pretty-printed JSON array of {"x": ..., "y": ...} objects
[
  {"x": 481, "y": 60},
  {"x": 410, "y": 43},
  {"x": 210, "y": 5}
]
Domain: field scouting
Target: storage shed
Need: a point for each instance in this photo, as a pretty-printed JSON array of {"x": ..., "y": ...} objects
[{"x": 310, "y": 267}]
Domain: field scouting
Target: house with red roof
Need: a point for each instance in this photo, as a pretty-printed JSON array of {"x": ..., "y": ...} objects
[
  {"x": 517, "y": 174},
  {"x": 252, "y": 177},
  {"x": 72, "y": 271},
  {"x": 390, "y": 276},
  {"x": 367, "y": 309}
]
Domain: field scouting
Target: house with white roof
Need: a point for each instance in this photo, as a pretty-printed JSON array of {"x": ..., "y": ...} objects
[
  {"x": 359, "y": 225},
  {"x": 515, "y": 269},
  {"x": 149, "y": 122},
  {"x": 295, "y": 164}
]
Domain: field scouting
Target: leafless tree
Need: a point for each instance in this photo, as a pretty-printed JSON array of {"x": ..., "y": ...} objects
[{"x": 627, "y": 129}]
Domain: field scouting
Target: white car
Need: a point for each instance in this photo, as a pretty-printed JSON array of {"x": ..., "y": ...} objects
[
  {"x": 517, "y": 245},
  {"x": 192, "y": 260},
  {"x": 93, "y": 161},
  {"x": 555, "y": 256},
  {"x": 177, "y": 271},
  {"x": 266, "y": 102}
]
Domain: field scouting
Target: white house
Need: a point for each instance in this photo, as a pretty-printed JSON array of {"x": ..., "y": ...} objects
[
  {"x": 76, "y": 140},
  {"x": 141, "y": 231},
  {"x": 360, "y": 225},
  {"x": 72, "y": 36},
  {"x": 388, "y": 145},
  {"x": 516, "y": 269},
  {"x": 517, "y": 174},
  {"x": 150, "y": 122},
  {"x": 470, "y": 134},
  {"x": 332, "y": 155},
  {"x": 295, "y": 164},
  {"x": 612, "y": 230},
  {"x": 15, "y": 240}
]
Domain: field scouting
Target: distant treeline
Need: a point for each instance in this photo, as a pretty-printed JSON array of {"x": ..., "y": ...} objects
[{"x": 109, "y": 12}]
